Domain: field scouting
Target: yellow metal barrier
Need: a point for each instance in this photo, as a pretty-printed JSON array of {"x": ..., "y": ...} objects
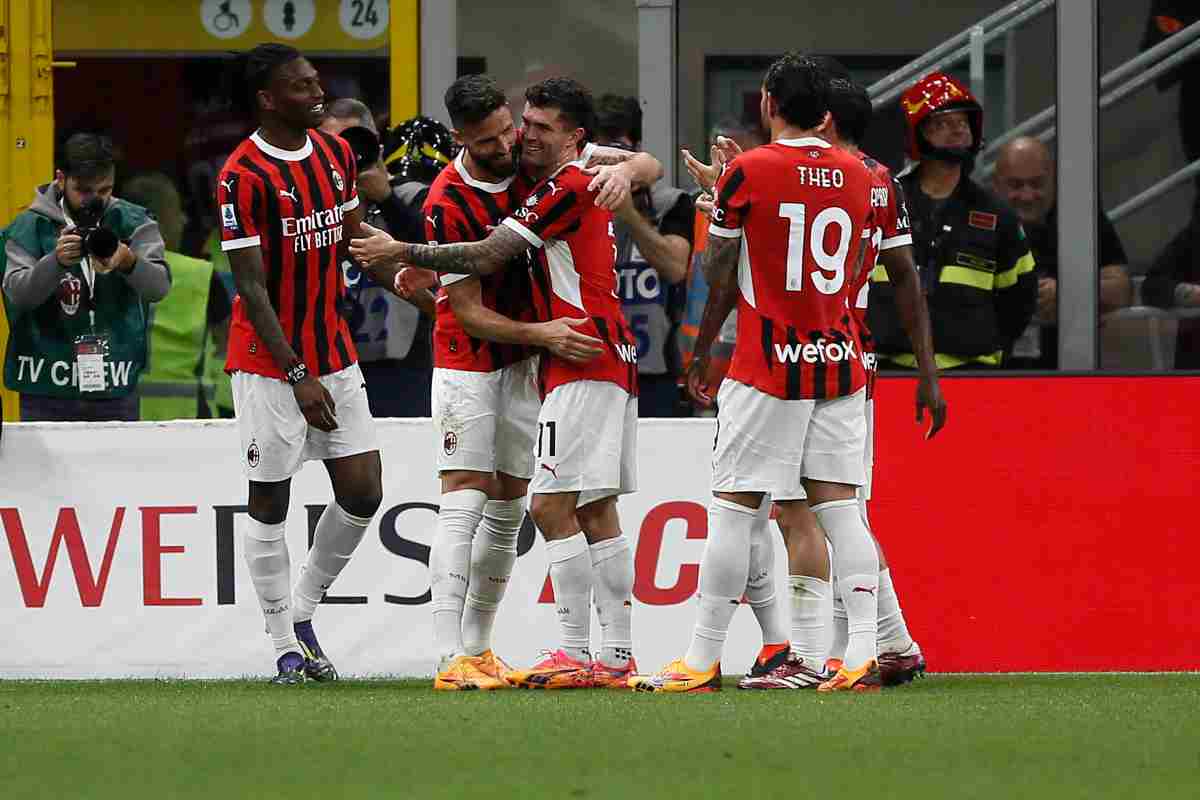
[
  {"x": 404, "y": 71},
  {"x": 26, "y": 118}
]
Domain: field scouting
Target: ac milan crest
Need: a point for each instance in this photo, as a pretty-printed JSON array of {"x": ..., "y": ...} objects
[
  {"x": 450, "y": 443},
  {"x": 70, "y": 291},
  {"x": 337, "y": 180},
  {"x": 252, "y": 454}
]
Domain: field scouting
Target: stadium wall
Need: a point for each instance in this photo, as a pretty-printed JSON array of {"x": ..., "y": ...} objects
[{"x": 1046, "y": 529}]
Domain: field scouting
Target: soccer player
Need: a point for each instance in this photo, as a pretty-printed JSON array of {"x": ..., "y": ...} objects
[
  {"x": 900, "y": 658},
  {"x": 792, "y": 221},
  {"x": 485, "y": 400},
  {"x": 288, "y": 203},
  {"x": 586, "y": 442}
]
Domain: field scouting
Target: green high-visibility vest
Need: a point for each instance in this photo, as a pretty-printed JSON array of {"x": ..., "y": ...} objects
[
  {"x": 178, "y": 327},
  {"x": 214, "y": 351}
]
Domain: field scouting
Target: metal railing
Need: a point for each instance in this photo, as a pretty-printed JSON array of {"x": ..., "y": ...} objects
[
  {"x": 1116, "y": 86},
  {"x": 1156, "y": 191},
  {"x": 969, "y": 43}
]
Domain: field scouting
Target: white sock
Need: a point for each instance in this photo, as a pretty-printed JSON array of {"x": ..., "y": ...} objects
[
  {"x": 334, "y": 541},
  {"x": 492, "y": 558},
  {"x": 450, "y": 568},
  {"x": 724, "y": 568},
  {"x": 812, "y": 612},
  {"x": 893, "y": 632},
  {"x": 571, "y": 577},
  {"x": 837, "y": 645},
  {"x": 760, "y": 588},
  {"x": 271, "y": 571},
  {"x": 612, "y": 568},
  {"x": 856, "y": 563}
]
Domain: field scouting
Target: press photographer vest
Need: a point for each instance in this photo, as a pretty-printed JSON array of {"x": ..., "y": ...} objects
[
  {"x": 40, "y": 358},
  {"x": 651, "y": 305}
]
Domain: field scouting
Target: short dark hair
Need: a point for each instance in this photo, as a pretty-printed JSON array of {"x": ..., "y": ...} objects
[
  {"x": 259, "y": 67},
  {"x": 831, "y": 66},
  {"x": 571, "y": 98},
  {"x": 800, "y": 87},
  {"x": 851, "y": 109},
  {"x": 87, "y": 156},
  {"x": 473, "y": 98},
  {"x": 351, "y": 108},
  {"x": 618, "y": 116}
]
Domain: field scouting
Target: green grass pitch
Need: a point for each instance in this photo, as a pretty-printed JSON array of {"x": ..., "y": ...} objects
[{"x": 1082, "y": 736}]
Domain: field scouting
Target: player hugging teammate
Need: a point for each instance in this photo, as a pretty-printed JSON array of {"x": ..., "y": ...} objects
[
  {"x": 577, "y": 453},
  {"x": 792, "y": 423}
]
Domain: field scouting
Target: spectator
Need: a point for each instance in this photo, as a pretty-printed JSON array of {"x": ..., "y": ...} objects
[
  {"x": 82, "y": 268},
  {"x": 654, "y": 240},
  {"x": 975, "y": 265},
  {"x": 175, "y": 384},
  {"x": 1174, "y": 282},
  {"x": 392, "y": 335},
  {"x": 1168, "y": 17},
  {"x": 1024, "y": 177}
]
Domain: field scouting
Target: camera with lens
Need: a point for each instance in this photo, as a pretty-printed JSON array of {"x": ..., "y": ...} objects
[{"x": 98, "y": 241}]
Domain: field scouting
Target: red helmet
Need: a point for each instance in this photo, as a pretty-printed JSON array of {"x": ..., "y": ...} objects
[{"x": 936, "y": 93}]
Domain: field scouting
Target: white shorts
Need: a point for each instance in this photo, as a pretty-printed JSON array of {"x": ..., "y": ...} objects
[
  {"x": 277, "y": 440},
  {"x": 864, "y": 491},
  {"x": 486, "y": 421},
  {"x": 765, "y": 444},
  {"x": 587, "y": 442}
]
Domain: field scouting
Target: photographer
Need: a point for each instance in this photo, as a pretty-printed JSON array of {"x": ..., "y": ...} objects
[
  {"x": 82, "y": 268},
  {"x": 392, "y": 335}
]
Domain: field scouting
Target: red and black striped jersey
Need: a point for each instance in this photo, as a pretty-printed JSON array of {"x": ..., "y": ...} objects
[
  {"x": 460, "y": 208},
  {"x": 575, "y": 276},
  {"x": 892, "y": 229},
  {"x": 802, "y": 209},
  {"x": 291, "y": 204}
]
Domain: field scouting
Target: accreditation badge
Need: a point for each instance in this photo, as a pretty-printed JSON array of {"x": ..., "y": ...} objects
[{"x": 91, "y": 355}]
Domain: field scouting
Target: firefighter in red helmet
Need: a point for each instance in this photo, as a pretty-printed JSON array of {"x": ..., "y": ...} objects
[{"x": 976, "y": 268}]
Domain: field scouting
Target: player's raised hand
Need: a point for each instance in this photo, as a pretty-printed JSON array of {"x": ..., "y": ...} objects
[
  {"x": 410, "y": 280},
  {"x": 929, "y": 396},
  {"x": 698, "y": 387},
  {"x": 316, "y": 404},
  {"x": 729, "y": 149},
  {"x": 561, "y": 339},
  {"x": 613, "y": 184},
  {"x": 704, "y": 204},
  {"x": 705, "y": 175},
  {"x": 375, "y": 248}
]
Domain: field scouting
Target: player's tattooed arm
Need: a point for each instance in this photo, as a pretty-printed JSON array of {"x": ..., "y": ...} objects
[
  {"x": 914, "y": 318},
  {"x": 485, "y": 257},
  {"x": 250, "y": 277},
  {"x": 379, "y": 253},
  {"x": 722, "y": 298},
  {"x": 720, "y": 258}
]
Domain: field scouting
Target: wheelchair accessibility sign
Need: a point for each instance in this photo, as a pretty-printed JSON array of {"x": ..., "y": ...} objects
[{"x": 226, "y": 19}]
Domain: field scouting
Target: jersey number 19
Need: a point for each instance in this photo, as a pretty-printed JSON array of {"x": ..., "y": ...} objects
[{"x": 830, "y": 274}]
